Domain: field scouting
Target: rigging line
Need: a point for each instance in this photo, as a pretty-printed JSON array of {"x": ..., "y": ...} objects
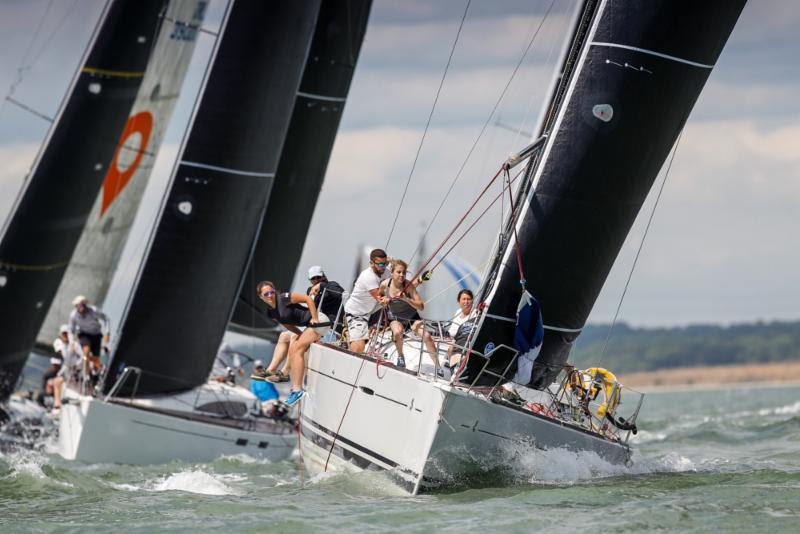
[
  {"x": 28, "y": 109},
  {"x": 471, "y": 226},
  {"x": 641, "y": 244},
  {"x": 485, "y": 125},
  {"x": 23, "y": 64},
  {"x": 53, "y": 33},
  {"x": 427, "y": 125},
  {"x": 469, "y": 273}
]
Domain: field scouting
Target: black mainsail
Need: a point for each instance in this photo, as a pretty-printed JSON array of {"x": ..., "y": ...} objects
[
  {"x": 317, "y": 112},
  {"x": 209, "y": 220},
  {"x": 617, "y": 113},
  {"x": 50, "y": 212}
]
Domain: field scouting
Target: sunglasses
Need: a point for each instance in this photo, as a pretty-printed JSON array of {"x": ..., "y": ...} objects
[
  {"x": 381, "y": 264},
  {"x": 266, "y": 294},
  {"x": 315, "y": 278}
]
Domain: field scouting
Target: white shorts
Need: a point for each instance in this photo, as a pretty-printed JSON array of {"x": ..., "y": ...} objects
[{"x": 357, "y": 327}]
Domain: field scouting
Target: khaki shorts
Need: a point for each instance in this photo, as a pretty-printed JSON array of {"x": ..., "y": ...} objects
[{"x": 357, "y": 327}]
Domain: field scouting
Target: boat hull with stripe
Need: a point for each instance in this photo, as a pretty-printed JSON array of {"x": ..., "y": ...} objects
[{"x": 427, "y": 434}]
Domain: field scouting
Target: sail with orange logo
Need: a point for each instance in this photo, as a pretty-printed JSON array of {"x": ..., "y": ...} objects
[
  {"x": 53, "y": 206},
  {"x": 106, "y": 232}
]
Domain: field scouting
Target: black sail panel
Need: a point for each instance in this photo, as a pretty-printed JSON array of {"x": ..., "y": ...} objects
[
  {"x": 317, "y": 111},
  {"x": 642, "y": 70},
  {"x": 50, "y": 213},
  {"x": 213, "y": 208}
]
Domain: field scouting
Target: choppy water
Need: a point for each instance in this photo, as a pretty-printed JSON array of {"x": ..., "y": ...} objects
[{"x": 708, "y": 461}]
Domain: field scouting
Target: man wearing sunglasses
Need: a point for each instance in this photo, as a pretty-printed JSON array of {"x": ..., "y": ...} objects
[{"x": 365, "y": 299}]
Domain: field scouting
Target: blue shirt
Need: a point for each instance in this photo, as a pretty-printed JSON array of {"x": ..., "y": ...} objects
[{"x": 265, "y": 391}]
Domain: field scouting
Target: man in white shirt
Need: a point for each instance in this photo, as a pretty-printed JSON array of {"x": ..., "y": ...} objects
[{"x": 365, "y": 299}]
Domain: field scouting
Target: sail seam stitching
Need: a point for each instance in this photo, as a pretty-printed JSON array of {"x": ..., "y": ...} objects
[
  {"x": 653, "y": 53},
  {"x": 226, "y": 169}
]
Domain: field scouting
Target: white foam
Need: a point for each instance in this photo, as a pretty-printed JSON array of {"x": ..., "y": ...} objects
[
  {"x": 26, "y": 463},
  {"x": 194, "y": 482},
  {"x": 791, "y": 409},
  {"x": 124, "y": 487}
]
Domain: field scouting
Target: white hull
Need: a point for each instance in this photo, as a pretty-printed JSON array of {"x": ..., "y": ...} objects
[
  {"x": 425, "y": 432},
  {"x": 96, "y": 431}
]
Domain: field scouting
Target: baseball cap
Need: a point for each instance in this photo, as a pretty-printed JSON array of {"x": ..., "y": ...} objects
[
  {"x": 314, "y": 271},
  {"x": 80, "y": 299},
  {"x": 258, "y": 363}
]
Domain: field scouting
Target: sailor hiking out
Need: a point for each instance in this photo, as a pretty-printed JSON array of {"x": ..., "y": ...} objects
[{"x": 286, "y": 309}]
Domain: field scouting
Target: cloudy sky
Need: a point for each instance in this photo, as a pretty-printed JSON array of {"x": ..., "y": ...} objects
[{"x": 723, "y": 244}]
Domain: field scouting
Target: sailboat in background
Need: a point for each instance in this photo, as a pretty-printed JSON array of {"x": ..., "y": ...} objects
[
  {"x": 100, "y": 246},
  {"x": 47, "y": 219},
  {"x": 628, "y": 80},
  {"x": 156, "y": 388}
]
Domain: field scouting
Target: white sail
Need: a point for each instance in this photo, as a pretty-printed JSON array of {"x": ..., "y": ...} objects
[{"x": 109, "y": 224}]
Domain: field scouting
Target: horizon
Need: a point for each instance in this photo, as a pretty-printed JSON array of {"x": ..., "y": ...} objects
[{"x": 719, "y": 249}]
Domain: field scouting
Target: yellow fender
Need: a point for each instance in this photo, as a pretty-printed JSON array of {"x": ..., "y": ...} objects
[{"x": 590, "y": 380}]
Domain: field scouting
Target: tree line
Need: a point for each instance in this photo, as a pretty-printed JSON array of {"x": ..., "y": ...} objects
[{"x": 632, "y": 349}]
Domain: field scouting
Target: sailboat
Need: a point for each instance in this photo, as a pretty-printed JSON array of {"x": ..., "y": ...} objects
[
  {"x": 39, "y": 237},
  {"x": 629, "y": 77},
  {"x": 156, "y": 404}
]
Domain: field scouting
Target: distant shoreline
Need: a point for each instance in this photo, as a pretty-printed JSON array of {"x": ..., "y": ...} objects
[{"x": 772, "y": 374}]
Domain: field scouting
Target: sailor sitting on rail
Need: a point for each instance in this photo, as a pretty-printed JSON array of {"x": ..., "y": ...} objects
[
  {"x": 365, "y": 299},
  {"x": 403, "y": 311},
  {"x": 286, "y": 309},
  {"x": 465, "y": 315}
]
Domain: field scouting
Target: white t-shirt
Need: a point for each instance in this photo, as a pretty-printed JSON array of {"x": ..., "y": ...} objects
[
  {"x": 361, "y": 302},
  {"x": 458, "y": 320}
]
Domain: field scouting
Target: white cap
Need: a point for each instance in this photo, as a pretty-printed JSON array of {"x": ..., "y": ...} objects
[
  {"x": 63, "y": 328},
  {"x": 258, "y": 363},
  {"x": 315, "y": 270},
  {"x": 80, "y": 299}
]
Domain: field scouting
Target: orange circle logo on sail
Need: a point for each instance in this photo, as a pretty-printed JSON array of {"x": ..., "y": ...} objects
[{"x": 129, "y": 154}]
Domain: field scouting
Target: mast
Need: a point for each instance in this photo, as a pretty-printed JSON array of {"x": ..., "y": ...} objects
[
  {"x": 50, "y": 212},
  {"x": 213, "y": 207},
  {"x": 614, "y": 118},
  {"x": 317, "y": 112},
  {"x": 100, "y": 246}
]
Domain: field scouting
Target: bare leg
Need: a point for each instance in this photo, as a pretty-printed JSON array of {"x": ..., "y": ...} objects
[
  {"x": 397, "y": 335},
  {"x": 297, "y": 356},
  {"x": 281, "y": 350},
  {"x": 427, "y": 339},
  {"x": 58, "y": 382}
]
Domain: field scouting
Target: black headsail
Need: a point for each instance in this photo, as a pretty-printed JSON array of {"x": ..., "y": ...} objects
[
  {"x": 212, "y": 211},
  {"x": 48, "y": 216},
  {"x": 317, "y": 111},
  {"x": 617, "y": 114}
]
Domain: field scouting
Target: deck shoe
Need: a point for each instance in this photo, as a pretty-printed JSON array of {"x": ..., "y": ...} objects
[
  {"x": 278, "y": 377},
  {"x": 294, "y": 397},
  {"x": 401, "y": 362},
  {"x": 261, "y": 376}
]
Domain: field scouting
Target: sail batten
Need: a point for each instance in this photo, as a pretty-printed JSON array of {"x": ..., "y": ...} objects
[{"x": 621, "y": 112}]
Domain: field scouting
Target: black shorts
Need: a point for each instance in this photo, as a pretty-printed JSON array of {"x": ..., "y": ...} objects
[{"x": 93, "y": 341}]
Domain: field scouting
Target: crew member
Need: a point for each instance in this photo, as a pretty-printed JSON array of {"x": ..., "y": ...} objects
[
  {"x": 365, "y": 299},
  {"x": 286, "y": 309}
]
